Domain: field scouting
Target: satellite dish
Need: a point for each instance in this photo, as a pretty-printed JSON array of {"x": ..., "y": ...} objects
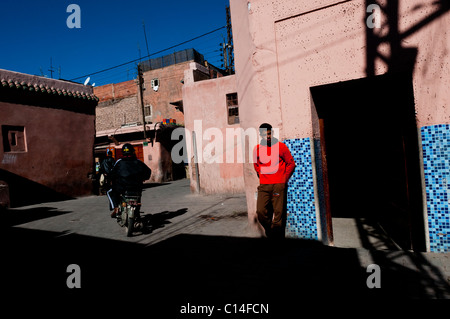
[
  {"x": 87, "y": 80},
  {"x": 93, "y": 84}
]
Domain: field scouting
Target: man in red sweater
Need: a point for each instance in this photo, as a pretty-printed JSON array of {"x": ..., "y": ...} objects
[{"x": 274, "y": 165}]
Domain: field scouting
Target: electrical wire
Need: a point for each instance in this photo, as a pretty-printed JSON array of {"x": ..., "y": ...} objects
[{"x": 149, "y": 55}]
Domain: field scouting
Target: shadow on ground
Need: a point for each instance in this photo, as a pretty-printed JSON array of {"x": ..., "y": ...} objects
[
  {"x": 201, "y": 270},
  {"x": 426, "y": 281},
  {"x": 11, "y": 217},
  {"x": 152, "y": 222}
]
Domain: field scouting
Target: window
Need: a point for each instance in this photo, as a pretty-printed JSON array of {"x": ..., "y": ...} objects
[
  {"x": 155, "y": 84},
  {"x": 232, "y": 108},
  {"x": 148, "y": 110},
  {"x": 148, "y": 113},
  {"x": 13, "y": 138}
]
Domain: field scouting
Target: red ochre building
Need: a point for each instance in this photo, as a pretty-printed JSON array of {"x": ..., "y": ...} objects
[{"x": 47, "y": 130}]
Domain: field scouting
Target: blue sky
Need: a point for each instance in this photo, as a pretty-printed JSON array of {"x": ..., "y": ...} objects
[{"x": 111, "y": 33}]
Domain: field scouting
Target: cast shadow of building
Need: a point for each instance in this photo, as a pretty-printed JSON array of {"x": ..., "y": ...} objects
[{"x": 286, "y": 275}]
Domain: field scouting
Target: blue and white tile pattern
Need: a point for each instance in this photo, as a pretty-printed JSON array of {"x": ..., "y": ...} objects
[
  {"x": 301, "y": 219},
  {"x": 436, "y": 161}
]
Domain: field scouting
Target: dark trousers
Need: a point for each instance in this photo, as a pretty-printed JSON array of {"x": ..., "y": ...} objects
[
  {"x": 114, "y": 194},
  {"x": 114, "y": 198},
  {"x": 270, "y": 208}
]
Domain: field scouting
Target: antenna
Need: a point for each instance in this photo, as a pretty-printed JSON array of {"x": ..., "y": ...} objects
[
  {"x": 139, "y": 49},
  {"x": 145, "y": 34},
  {"x": 87, "y": 80},
  {"x": 230, "y": 46},
  {"x": 51, "y": 68}
]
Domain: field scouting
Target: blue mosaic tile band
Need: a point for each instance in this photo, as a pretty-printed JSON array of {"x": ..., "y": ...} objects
[
  {"x": 301, "y": 220},
  {"x": 436, "y": 162}
]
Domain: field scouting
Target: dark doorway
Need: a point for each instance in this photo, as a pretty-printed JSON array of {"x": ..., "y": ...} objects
[{"x": 370, "y": 149}]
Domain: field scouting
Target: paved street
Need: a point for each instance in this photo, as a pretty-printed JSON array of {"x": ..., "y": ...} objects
[
  {"x": 194, "y": 249},
  {"x": 168, "y": 209}
]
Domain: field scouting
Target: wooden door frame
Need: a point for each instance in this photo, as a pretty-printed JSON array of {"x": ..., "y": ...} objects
[{"x": 326, "y": 185}]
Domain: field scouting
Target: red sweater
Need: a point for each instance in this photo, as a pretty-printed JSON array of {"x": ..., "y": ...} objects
[{"x": 274, "y": 164}]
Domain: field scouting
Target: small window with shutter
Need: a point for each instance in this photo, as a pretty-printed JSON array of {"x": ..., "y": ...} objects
[{"x": 232, "y": 108}]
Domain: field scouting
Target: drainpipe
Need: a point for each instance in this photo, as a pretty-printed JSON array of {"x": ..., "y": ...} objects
[
  {"x": 194, "y": 145},
  {"x": 141, "y": 92}
]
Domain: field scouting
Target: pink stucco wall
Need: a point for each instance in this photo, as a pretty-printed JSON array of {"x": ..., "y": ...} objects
[
  {"x": 158, "y": 158},
  {"x": 56, "y": 121},
  {"x": 58, "y": 156},
  {"x": 284, "y": 47},
  {"x": 205, "y": 102}
]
